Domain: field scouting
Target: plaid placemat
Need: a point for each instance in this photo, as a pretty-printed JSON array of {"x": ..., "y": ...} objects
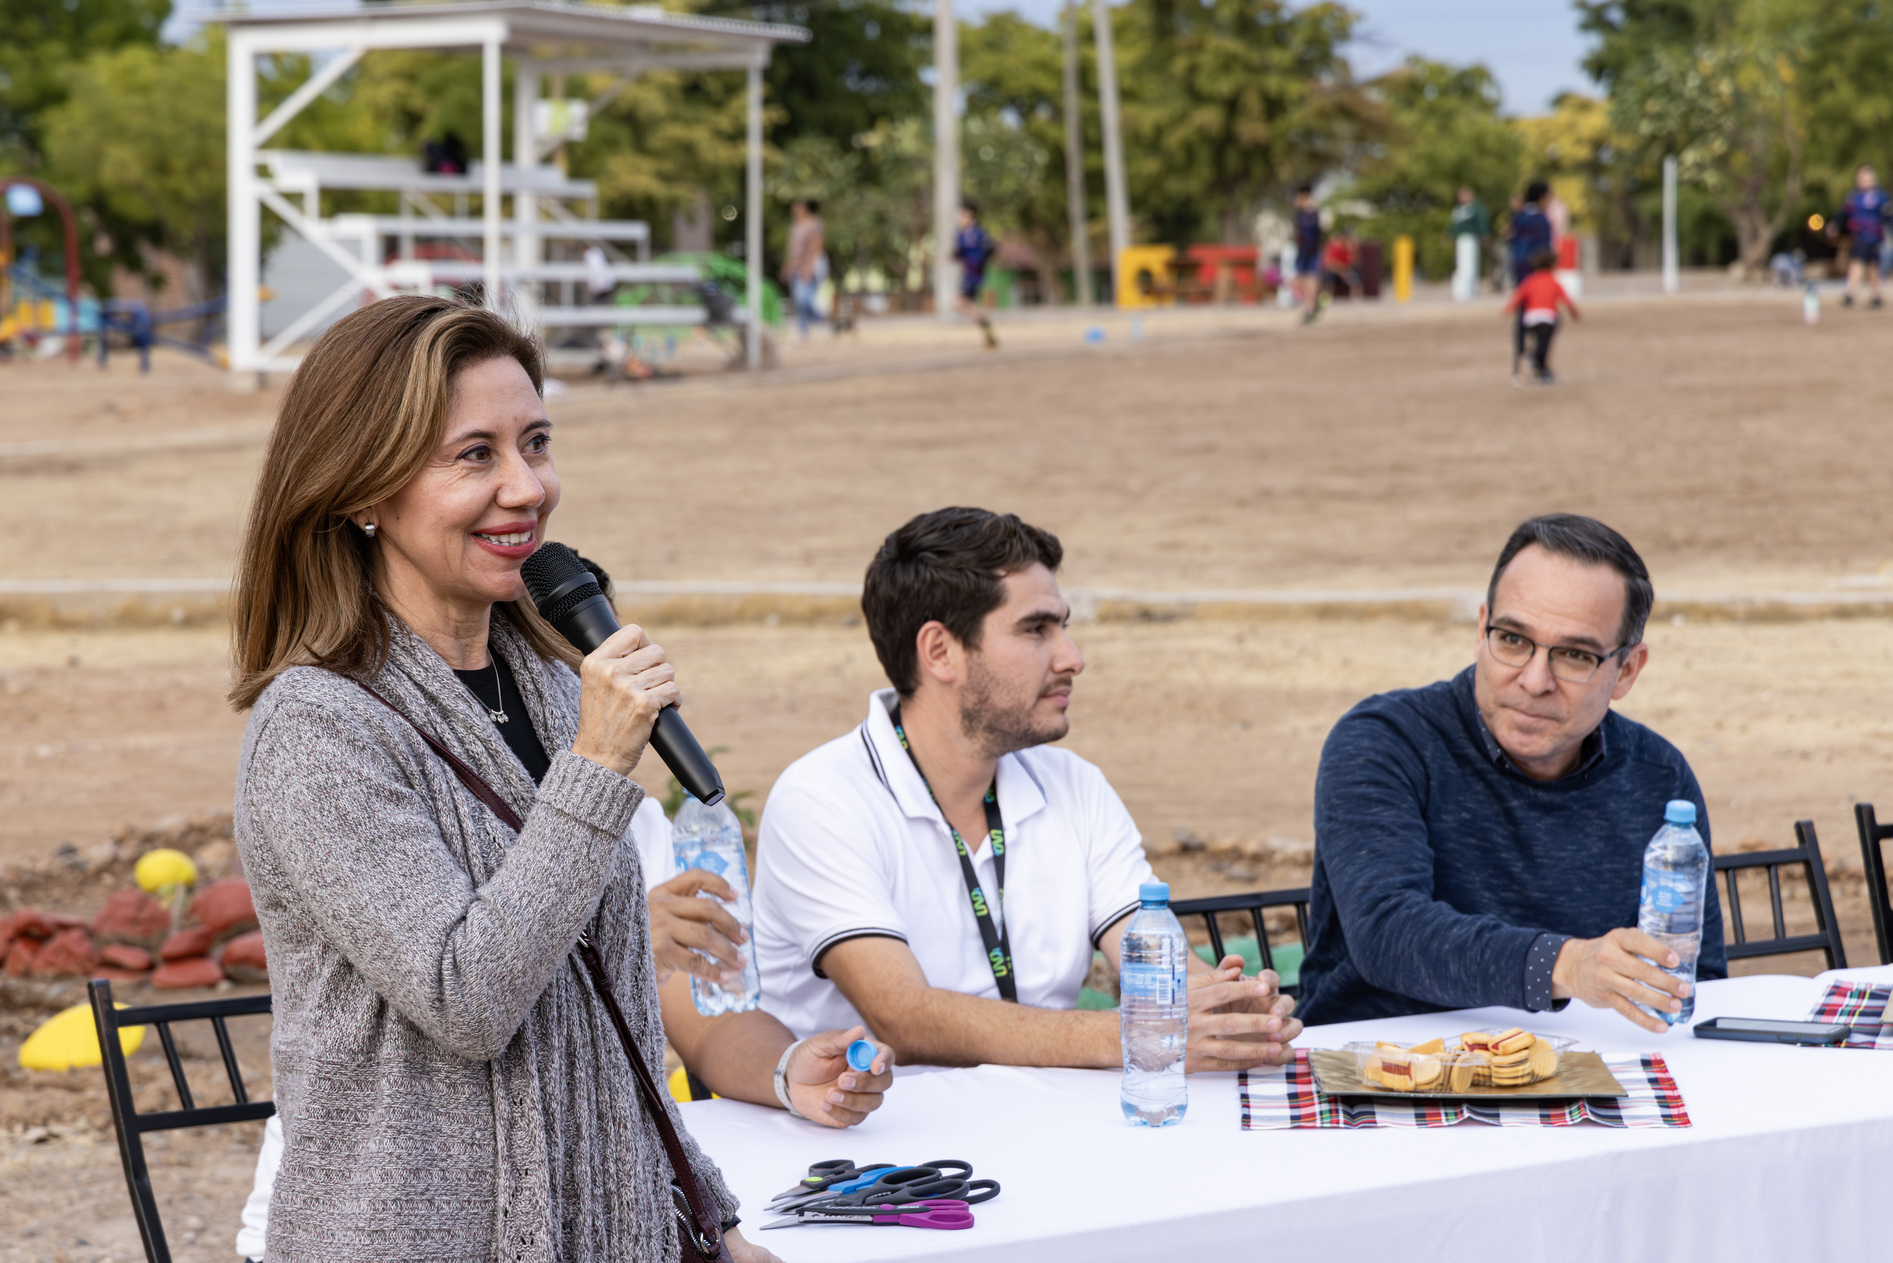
[
  {"x": 1286, "y": 1097},
  {"x": 1860, "y": 1005}
]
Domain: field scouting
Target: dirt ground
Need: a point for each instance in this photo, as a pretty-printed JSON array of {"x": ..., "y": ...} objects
[
  {"x": 1724, "y": 437},
  {"x": 1730, "y": 442}
]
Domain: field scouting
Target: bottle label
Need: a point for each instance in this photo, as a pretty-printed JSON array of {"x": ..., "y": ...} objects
[
  {"x": 709, "y": 861},
  {"x": 1670, "y": 894},
  {"x": 1151, "y": 983}
]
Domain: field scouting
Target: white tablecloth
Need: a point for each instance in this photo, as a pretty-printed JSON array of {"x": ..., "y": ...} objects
[{"x": 1790, "y": 1157}]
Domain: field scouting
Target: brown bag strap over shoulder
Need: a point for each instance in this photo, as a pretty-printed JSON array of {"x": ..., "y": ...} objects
[{"x": 701, "y": 1227}]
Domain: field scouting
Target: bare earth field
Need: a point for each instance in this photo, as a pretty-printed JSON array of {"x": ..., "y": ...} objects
[{"x": 1733, "y": 445}]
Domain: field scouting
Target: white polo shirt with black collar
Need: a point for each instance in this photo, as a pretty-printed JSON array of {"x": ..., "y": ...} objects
[{"x": 853, "y": 846}]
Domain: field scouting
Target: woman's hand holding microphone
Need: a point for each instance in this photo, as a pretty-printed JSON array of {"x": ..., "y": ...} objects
[{"x": 622, "y": 685}]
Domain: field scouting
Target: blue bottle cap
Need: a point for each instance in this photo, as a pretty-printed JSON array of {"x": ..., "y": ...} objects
[
  {"x": 861, "y": 1055},
  {"x": 1154, "y": 892},
  {"x": 1679, "y": 811}
]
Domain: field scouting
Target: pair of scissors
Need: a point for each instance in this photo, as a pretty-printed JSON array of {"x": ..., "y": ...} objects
[
  {"x": 898, "y": 1187},
  {"x": 887, "y": 1180},
  {"x": 833, "y": 1173},
  {"x": 946, "y": 1214}
]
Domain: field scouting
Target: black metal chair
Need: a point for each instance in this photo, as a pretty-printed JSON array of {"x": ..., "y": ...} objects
[
  {"x": 1808, "y": 855},
  {"x": 1872, "y": 833},
  {"x": 1254, "y": 903},
  {"x": 132, "y": 1126}
]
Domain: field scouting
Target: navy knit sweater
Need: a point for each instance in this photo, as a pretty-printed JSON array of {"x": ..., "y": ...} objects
[{"x": 1444, "y": 876}]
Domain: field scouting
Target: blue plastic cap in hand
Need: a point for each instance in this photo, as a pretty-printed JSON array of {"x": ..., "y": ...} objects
[
  {"x": 1154, "y": 892},
  {"x": 861, "y": 1055},
  {"x": 1679, "y": 811}
]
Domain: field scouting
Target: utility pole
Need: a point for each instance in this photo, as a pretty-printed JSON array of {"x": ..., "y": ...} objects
[
  {"x": 1671, "y": 281},
  {"x": 1116, "y": 202},
  {"x": 1075, "y": 163},
  {"x": 946, "y": 157}
]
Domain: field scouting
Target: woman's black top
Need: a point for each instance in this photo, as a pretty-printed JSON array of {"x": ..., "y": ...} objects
[{"x": 517, "y": 728}]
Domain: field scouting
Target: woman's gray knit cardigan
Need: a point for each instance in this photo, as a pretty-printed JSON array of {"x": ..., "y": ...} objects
[{"x": 449, "y": 1085}]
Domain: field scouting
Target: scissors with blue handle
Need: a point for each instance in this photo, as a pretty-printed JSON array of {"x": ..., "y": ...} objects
[
  {"x": 832, "y": 1174},
  {"x": 887, "y": 1180},
  {"x": 920, "y": 1184},
  {"x": 947, "y": 1214}
]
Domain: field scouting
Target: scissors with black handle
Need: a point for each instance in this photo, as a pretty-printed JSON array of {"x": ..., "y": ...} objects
[
  {"x": 833, "y": 1174},
  {"x": 896, "y": 1187}
]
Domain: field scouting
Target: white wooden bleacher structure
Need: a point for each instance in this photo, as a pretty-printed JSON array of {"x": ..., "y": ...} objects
[{"x": 435, "y": 240}]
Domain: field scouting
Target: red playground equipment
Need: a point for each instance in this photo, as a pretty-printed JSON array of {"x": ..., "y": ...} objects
[{"x": 71, "y": 225}]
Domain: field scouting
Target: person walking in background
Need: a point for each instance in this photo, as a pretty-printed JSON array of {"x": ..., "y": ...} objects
[
  {"x": 1468, "y": 227},
  {"x": 807, "y": 264},
  {"x": 1527, "y": 239},
  {"x": 1535, "y": 303},
  {"x": 1863, "y": 217},
  {"x": 1307, "y": 254},
  {"x": 973, "y": 248}
]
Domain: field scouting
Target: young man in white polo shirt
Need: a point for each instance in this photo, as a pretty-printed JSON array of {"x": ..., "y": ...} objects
[{"x": 870, "y": 908}]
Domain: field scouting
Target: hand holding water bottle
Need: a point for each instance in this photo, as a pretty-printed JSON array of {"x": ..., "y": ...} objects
[
  {"x": 1649, "y": 974},
  {"x": 696, "y": 935},
  {"x": 709, "y": 840},
  {"x": 1614, "y": 972}
]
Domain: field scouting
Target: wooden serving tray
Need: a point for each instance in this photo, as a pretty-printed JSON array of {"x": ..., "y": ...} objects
[{"x": 1579, "y": 1074}]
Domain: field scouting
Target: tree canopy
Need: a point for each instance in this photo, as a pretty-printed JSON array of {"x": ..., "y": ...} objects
[{"x": 1227, "y": 105}]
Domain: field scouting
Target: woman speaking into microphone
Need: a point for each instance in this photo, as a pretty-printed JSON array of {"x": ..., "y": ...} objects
[{"x": 433, "y": 809}]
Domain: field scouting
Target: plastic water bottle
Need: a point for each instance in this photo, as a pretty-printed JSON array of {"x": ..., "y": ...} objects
[
  {"x": 711, "y": 838},
  {"x": 1675, "y": 879},
  {"x": 1154, "y": 1012},
  {"x": 1811, "y": 304}
]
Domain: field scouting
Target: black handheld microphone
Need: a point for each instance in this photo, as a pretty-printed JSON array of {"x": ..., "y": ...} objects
[{"x": 568, "y": 597}]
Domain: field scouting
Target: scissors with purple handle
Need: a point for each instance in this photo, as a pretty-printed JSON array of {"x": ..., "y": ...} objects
[{"x": 946, "y": 1214}]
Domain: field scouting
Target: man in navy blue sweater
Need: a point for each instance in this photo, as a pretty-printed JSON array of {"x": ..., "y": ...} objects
[{"x": 1480, "y": 841}]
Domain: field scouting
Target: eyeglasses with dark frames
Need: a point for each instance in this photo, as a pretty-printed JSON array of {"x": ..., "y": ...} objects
[{"x": 1568, "y": 662}]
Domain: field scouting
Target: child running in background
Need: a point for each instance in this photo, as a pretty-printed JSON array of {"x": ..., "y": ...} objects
[
  {"x": 973, "y": 247},
  {"x": 1863, "y": 217},
  {"x": 1536, "y": 301},
  {"x": 1307, "y": 254}
]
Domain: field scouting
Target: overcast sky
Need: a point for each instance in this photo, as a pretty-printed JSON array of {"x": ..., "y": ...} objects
[{"x": 1531, "y": 46}]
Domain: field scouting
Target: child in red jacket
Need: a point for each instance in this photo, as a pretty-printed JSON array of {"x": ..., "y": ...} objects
[{"x": 1536, "y": 302}]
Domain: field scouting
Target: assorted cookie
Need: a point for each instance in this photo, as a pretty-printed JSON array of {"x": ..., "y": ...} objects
[{"x": 1512, "y": 1058}]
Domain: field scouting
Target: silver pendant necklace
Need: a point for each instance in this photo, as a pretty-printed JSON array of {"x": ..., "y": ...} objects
[{"x": 499, "y": 694}]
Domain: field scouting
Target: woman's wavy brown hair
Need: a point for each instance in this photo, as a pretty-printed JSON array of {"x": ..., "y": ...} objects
[{"x": 363, "y": 413}]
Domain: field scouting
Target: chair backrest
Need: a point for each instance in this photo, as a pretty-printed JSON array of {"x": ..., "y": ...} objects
[
  {"x": 131, "y": 1125},
  {"x": 1808, "y": 855},
  {"x": 1872, "y": 833},
  {"x": 1254, "y": 902}
]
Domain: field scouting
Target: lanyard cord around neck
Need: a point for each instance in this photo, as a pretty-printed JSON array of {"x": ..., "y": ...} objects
[{"x": 998, "y": 939}]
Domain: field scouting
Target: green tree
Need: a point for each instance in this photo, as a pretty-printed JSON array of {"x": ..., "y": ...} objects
[
  {"x": 665, "y": 141},
  {"x": 860, "y": 67},
  {"x": 1444, "y": 130},
  {"x": 39, "y": 41},
  {"x": 1228, "y": 103},
  {"x": 1716, "y": 83},
  {"x": 1012, "y": 146},
  {"x": 139, "y": 139},
  {"x": 1841, "y": 81}
]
